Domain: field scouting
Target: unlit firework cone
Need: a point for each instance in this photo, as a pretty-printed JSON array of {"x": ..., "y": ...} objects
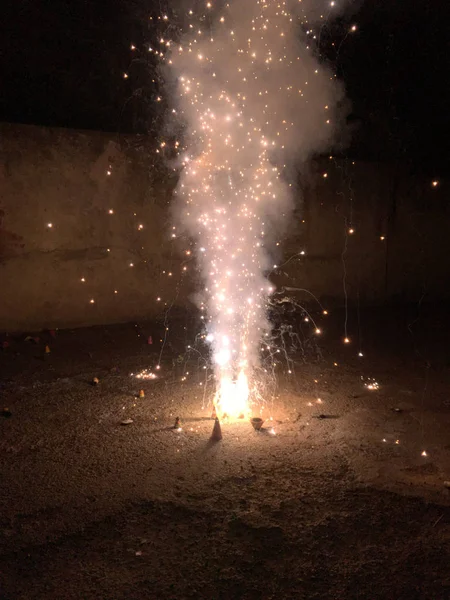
[
  {"x": 47, "y": 350},
  {"x": 257, "y": 423},
  {"x": 216, "y": 435},
  {"x": 141, "y": 394},
  {"x": 177, "y": 424}
]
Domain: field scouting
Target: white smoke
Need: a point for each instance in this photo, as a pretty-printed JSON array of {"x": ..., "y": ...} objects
[{"x": 255, "y": 100}]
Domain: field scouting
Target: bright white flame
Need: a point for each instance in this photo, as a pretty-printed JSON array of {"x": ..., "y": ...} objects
[
  {"x": 222, "y": 357},
  {"x": 232, "y": 397}
]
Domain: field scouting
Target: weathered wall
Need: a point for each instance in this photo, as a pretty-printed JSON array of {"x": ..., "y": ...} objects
[
  {"x": 400, "y": 246},
  {"x": 61, "y": 177}
]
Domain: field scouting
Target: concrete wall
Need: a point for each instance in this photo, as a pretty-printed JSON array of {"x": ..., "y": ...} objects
[
  {"x": 60, "y": 177},
  {"x": 400, "y": 246}
]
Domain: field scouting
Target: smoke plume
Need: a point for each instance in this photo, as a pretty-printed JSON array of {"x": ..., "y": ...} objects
[{"x": 255, "y": 100}]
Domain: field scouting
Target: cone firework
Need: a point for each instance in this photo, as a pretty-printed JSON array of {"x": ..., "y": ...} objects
[{"x": 216, "y": 435}]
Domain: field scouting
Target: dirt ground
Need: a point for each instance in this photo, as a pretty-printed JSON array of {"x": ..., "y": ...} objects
[{"x": 337, "y": 503}]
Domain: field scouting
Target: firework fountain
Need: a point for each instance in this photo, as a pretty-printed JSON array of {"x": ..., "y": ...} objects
[{"x": 255, "y": 100}]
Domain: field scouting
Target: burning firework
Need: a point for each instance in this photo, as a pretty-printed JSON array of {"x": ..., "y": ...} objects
[{"x": 252, "y": 95}]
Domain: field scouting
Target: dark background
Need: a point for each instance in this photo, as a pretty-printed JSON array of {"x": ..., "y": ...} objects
[{"x": 62, "y": 64}]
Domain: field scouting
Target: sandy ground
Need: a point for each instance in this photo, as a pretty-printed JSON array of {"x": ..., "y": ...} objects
[{"x": 343, "y": 506}]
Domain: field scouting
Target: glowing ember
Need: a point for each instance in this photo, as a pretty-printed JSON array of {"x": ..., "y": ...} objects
[
  {"x": 373, "y": 385},
  {"x": 145, "y": 374}
]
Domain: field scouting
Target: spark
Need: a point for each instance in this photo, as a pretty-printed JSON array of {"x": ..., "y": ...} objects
[
  {"x": 144, "y": 374},
  {"x": 244, "y": 118},
  {"x": 372, "y": 385}
]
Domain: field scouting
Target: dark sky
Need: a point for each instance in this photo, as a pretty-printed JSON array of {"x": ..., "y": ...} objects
[
  {"x": 62, "y": 64},
  {"x": 396, "y": 73}
]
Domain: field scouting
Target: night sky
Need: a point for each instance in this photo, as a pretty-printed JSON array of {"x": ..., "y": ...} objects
[{"x": 62, "y": 64}]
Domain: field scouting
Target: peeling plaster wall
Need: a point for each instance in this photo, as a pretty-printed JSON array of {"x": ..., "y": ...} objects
[{"x": 61, "y": 177}]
